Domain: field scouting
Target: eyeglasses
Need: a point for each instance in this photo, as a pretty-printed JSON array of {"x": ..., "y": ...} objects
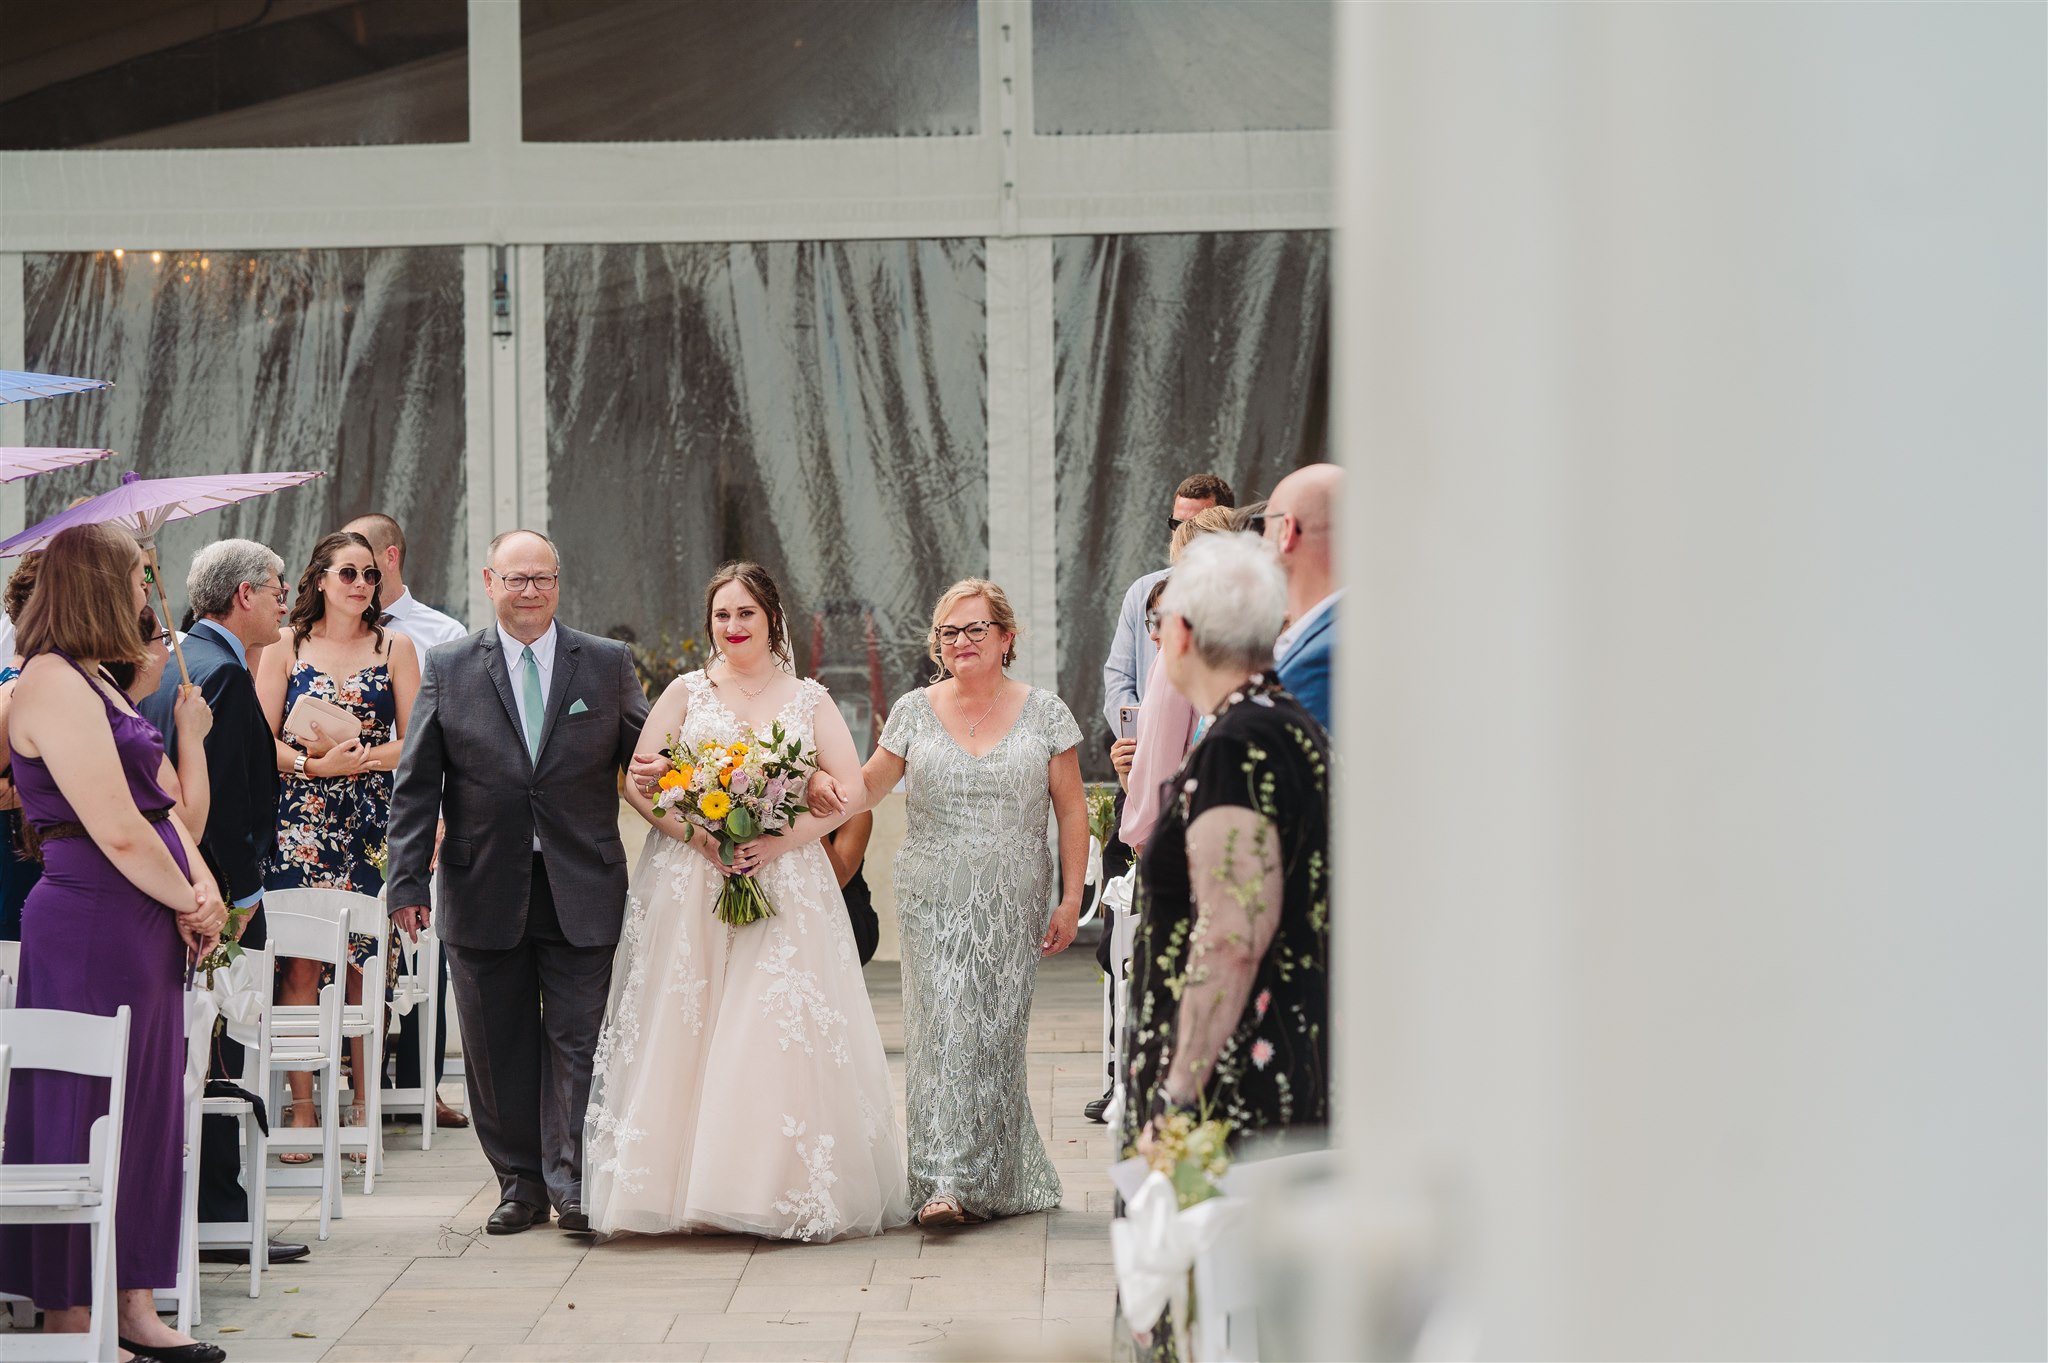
[
  {"x": 347, "y": 573},
  {"x": 519, "y": 582},
  {"x": 162, "y": 636},
  {"x": 975, "y": 631},
  {"x": 1152, "y": 622},
  {"x": 1173, "y": 524},
  {"x": 282, "y": 592}
]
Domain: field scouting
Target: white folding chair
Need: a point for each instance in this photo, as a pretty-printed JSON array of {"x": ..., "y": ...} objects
[
  {"x": 73, "y": 1194},
  {"x": 363, "y": 914},
  {"x": 416, "y": 1005},
  {"x": 10, "y": 971},
  {"x": 252, "y": 1234},
  {"x": 309, "y": 1040}
]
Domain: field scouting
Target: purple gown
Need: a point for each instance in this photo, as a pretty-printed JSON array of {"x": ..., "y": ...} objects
[{"x": 90, "y": 942}]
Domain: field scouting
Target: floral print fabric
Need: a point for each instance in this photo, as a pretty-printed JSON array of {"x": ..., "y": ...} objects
[
  {"x": 1263, "y": 753},
  {"x": 329, "y": 826}
]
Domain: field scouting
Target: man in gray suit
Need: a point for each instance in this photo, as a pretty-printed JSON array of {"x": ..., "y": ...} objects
[{"x": 517, "y": 739}]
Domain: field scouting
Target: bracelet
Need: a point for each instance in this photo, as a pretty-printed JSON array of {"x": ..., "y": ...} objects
[{"x": 299, "y": 765}]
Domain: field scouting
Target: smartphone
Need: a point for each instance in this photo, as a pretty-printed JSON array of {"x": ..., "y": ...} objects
[{"x": 1126, "y": 721}]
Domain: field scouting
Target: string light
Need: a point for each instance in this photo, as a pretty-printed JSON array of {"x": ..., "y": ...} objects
[
  {"x": 119, "y": 253},
  {"x": 156, "y": 257}
]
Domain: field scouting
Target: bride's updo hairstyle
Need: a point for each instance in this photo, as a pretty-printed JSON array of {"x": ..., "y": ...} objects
[
  {"x": 762, "y": 588},
  {"x": 998, "y": 611}
]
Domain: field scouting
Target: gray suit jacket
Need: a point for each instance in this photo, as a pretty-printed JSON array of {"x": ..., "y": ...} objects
[{"x": 466, "y": 761}]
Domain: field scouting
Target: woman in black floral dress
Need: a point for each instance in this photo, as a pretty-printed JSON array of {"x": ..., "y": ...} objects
[
  {"x": 1229, "y": 1014},
  {"x": 333, "y": 803}
]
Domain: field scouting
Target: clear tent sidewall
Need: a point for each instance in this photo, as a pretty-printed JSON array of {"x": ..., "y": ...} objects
[{"x": 1143, "y": 305}]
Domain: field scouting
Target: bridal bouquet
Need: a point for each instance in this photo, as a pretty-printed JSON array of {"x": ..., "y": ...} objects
[{"x": 737, "y": 792}]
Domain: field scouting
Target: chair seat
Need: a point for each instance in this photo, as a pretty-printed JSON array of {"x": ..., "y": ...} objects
[{"x": 13, "y": 1176}]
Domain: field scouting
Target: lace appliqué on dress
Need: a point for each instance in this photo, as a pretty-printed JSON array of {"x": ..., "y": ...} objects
[{"x": 815, "y": 1213}]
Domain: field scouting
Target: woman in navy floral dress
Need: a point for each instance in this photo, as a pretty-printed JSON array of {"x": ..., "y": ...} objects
[{"x": 333, "y": 803}]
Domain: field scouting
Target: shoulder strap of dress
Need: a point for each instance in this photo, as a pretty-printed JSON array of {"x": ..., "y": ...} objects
[{"x": 807, "y": 692}]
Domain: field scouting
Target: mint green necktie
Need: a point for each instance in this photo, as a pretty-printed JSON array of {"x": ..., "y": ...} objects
[{"x": 536, "y": 706}]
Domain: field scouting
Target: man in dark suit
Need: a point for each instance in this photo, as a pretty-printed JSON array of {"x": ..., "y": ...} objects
[
  {"x": 237, "y": 594},
  {"x": 517, "y": 741},
  {"x": 1299, "y": 517}
]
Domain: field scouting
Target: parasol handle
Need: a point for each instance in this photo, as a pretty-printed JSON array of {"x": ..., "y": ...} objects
[{"x": 156, "y": 579}]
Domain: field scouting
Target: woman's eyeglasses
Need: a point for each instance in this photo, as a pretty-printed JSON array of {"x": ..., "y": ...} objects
[
  {"x": 348, "y": 572},
  {"x": 162, "y": 636},
  {"x": 975, "y": 632},
  {"x": 1152, "y": 622}
]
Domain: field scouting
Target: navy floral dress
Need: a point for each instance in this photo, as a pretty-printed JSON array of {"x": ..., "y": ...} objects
[{"x": 329, "y": 827}]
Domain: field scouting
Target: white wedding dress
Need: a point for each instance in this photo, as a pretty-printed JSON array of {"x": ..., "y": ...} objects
[{"x": 740, "y": 1082}]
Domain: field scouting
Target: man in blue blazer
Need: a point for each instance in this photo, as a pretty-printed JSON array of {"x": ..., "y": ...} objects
[{"x": 1299, "y": 518}]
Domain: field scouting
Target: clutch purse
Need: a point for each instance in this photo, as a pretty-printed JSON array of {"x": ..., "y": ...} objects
[{"x": 319, "y": 725}]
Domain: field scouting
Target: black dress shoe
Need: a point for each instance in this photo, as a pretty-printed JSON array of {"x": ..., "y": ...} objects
[
  {"x": 571, "y": 1217},
  {"x": 1095, "y": 1109},
  {"x": 514, "y": 1217},
  {"x": 281, "y": 1252},
  {"x": 177, "y": 1353}
]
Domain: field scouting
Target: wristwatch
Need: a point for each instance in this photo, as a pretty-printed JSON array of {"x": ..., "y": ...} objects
[{"x": 299, "y": 765}]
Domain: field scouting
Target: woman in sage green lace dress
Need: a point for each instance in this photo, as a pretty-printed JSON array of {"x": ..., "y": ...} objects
[{"x": 986, "y": 757}]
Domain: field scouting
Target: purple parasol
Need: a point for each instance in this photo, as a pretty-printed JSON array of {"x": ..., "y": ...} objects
[
  {"x": 143, "y": 506},
  {"x": 23, "y": 462}
]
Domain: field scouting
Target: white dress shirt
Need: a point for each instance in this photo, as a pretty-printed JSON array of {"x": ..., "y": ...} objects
[
  {"x": 515, "y": 672},
  {"x": 421, "y": 623}
]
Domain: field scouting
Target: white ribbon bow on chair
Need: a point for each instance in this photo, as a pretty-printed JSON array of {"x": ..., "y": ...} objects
[{"x": 1155, "y": 1245}]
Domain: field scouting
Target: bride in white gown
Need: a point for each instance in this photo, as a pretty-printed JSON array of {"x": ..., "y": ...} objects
[{"x": 740, "y": 1082}]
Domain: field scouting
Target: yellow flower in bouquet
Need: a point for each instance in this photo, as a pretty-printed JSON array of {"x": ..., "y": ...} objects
[{"x": 737, "y": 792}]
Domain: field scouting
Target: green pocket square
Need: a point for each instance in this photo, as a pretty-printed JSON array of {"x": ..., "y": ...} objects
[{"x": 578, "y": 708}]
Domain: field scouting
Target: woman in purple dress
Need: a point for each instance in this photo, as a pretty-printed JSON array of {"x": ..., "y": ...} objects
[{"x": 123, "y": 905}]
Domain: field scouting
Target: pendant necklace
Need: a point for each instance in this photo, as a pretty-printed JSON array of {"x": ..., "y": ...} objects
[{"x": 984, "y": 714}]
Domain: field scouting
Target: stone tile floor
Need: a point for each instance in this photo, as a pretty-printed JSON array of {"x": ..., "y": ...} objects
[{"x": 408, "y": 1273}]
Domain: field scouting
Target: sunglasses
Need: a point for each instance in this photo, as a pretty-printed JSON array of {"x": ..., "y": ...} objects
[{"x": 348, "y": 573}]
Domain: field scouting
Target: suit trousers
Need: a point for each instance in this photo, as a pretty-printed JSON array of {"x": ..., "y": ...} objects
[
  {"x": 221, "y": 1194},
  {"x": 530, "y": 1019}
]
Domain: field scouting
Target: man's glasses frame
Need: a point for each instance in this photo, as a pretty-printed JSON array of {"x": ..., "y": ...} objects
[{"x": 517, "y": 583}]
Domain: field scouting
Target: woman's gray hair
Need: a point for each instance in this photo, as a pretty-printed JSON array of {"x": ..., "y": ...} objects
[
  {"x": 219, "y": 570},
  {"x": 1229, "y": 588}
]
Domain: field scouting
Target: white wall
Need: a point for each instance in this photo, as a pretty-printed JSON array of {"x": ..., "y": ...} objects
[{"x": 1691, "y": 362}]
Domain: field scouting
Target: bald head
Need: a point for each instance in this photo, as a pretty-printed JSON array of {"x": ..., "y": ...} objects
[
  {"x": 521, "y": 543},
  {"x": 1309, "y": 495},
  {"x": 1299, "y": 524}
]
